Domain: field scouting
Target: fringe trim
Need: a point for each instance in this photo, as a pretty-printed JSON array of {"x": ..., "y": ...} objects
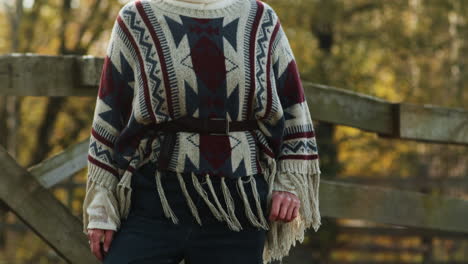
[
  {"x": 263, "y": 221},
  {"x": 190, "y": 202},
  {"x": 124, "y": 187},
  {"x": 229, "y": 202},
  {"x": 124, "y": 192},
  {"x": 303, "y": 178},
  {"x": 247, "y": 208},
  {"x": 233, "y": 224},
  {"x": 282, "y": 236},
  {"x": 227, "y": 215},
  {"x": 165, "y": 204},
  {"x": 204, "y": 195}
]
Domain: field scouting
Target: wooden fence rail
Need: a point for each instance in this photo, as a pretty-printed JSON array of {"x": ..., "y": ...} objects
[
  {"x": 28, "y": 199},
  {"x": 73, "y": 75},
  {"x": 42, "y": 212},
  {"x": 25, "y": 193}
]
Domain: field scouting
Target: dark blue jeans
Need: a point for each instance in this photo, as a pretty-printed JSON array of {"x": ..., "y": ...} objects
[{"x": 147, "y": 236}]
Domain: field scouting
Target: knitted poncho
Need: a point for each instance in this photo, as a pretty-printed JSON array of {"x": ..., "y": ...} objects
[{"x": 166, "y": 61}]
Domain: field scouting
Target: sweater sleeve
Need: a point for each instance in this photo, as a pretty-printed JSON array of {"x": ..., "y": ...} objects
[
  {"x": 294, "y": 146},
  {"x": 112, "y": 111},
  {"x": 297, "y": 155}
]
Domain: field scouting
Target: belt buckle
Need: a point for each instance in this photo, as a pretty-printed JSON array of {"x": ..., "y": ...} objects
[{"x": 227, "y": 126}]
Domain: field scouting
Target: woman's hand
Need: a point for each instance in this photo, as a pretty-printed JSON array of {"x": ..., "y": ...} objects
[
  {"x": 99, "y": 248},
  {"x": 284, "y": 207}
]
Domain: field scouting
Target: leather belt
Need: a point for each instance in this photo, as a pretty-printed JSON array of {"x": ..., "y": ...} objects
[{"x": 219, "y": 126}]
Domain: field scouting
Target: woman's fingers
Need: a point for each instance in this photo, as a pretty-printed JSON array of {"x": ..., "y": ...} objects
[
  {"x": 275, "y": 206},
  {"x": 108, "y": 236},
  {"x": 285, "y": 203},
  {"x": 284, "y": 206},
  {"x": 293, "y": 205},
  {"x": 95, "y": 236},
  {"x": 296, "y": 211}
]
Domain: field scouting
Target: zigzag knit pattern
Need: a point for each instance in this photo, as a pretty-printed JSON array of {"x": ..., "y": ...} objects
[{"x": 165, "y": 61}]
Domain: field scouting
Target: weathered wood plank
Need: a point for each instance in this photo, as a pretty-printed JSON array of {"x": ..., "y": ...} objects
[
  {"x": 398, "y": 232},
  {"x": 410, "y": 183},
  {"x": 426, "y": 123},
  {"x": 29, "y": 74},
  {"x": 349, "y": 198},
  {"x": 343, "y": 107},
  {"x": 91, "y": 68},
  {"x": 380, "y": 203},
  {"x": 42, "y": 212},
  {"x": 74, "y": 75},
  {"x": 61, "y": 166},
  {"x": 433, "y": 123},
  {"x": 35, "y": 205},
  {"x": 395, "y": 207}
]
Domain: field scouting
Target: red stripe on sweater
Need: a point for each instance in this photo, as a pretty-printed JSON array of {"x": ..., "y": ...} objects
[
  {"x": 102, "y": 165},
  {"x": 300, "y": 135},
  {"x": 101, "y": 139},
  {"x": 266, "y": 150},
  {"x": 303, "y": 157},
  {"x": 157, "y": 43},
  {"x": 253, "y": 38},
  {"x": 293, "y": 85}
]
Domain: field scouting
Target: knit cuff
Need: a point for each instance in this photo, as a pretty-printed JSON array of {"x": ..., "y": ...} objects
[
  {"x": 100, "y": 206},
  {"x": 283, "y": 183},
  {"x": 102, "y": 226},
  {"x": 292, "y": 172}
]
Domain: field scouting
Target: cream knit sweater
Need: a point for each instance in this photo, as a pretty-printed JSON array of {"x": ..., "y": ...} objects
[{"x": 235, "y": 62}]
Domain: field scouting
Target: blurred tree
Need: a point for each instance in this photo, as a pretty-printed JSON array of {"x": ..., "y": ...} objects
[
  {"x": 401, "y": 50},
  {"x": 47, "y": 27}
]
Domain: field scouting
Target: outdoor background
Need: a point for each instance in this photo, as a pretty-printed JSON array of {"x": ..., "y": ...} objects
[{"x": 411, "y": 51}]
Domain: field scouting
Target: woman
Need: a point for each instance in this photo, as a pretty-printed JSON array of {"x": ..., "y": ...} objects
[{"x": 202, "y": 146}]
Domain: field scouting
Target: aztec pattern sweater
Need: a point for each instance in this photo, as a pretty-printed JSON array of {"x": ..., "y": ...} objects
[{"x": 165, "y": 61}]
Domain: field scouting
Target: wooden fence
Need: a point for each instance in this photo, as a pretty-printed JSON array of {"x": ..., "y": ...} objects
[{"x": 25, "y": 191}]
